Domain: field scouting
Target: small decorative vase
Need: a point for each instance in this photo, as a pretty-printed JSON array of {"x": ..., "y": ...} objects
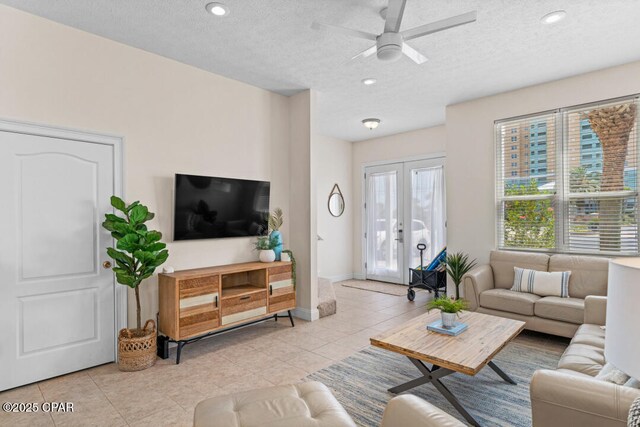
[
  {"x": 278, "y": 248},
  {"x": 267, "y": 255},
  {"x": 448, "y": 320}
]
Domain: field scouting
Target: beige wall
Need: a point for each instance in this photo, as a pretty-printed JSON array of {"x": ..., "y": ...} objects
[
  {"x": 303, "y": 203},
  {"x": 173, "y": 117},
  {"x": 399, "y": 147},
  {"x": 471, "y": 154},
  {"x": 332, "y": 165}
]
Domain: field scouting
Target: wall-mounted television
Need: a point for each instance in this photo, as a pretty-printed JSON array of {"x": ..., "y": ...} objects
[{"x": 211, "y": 207}]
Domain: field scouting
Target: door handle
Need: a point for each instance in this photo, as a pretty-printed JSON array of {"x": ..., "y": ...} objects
[
  {"x": 243, "y": 298},
  {"x": 106, "y": 264},
  {"x": 400, "y": 237}
]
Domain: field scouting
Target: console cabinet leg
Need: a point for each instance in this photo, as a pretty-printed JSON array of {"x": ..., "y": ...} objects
[
  {"x": 291, "y": 318},
  {"x": 180, "y": 345}
]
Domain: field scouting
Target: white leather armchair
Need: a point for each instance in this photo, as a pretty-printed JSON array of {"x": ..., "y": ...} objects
[{"x": 408, "y": 410}]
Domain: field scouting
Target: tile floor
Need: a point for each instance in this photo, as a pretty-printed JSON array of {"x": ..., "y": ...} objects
[{"x": 261, "y": 355}]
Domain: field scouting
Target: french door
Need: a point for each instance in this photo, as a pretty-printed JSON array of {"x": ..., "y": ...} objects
[{"x": 404, "y": 207}]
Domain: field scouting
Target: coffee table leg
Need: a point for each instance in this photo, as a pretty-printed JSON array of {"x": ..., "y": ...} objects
[
  {"x": 433, "y": 376},
  {"x": 455, "y": 402},
  {"x": 500, "y": 372}
]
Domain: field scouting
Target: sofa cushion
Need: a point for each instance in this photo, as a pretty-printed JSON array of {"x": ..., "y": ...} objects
[
  {"x": 588, "y": 274},
  {"x": 565, "y": 309},
  {"x": 300, "y": 405},
  {"x": 582, "y": 358},
  {"x": 541, "y": 283},
  {"x": 503, "y": 262},
  {"x": 507, "y": 300},
  {"x": 592, "y": 335}
]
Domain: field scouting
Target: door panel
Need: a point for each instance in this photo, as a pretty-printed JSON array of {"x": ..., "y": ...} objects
[
  {"x": 384, "y": 217},
  {"x": 41, "y": 179},
  {"x": 405, "y": 206},
  {"x": 57, "y": 303},
  {"x": 425, "y": 210}
]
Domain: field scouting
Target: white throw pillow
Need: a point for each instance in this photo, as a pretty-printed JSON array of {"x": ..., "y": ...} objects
[{"x": 542, "y": 283}]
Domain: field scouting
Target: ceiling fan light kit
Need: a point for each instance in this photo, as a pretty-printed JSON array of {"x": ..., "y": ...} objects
[
  {"x": 371, "y": 124},
  {"x": 391, "y": 43}
]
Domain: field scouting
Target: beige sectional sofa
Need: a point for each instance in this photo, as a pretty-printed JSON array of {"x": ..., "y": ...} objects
[
  {"x": 570, "y": 395},
  {"x": 487, "y": 289}
]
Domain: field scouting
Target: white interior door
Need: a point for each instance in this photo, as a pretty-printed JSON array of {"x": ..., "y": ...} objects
[
  {"x": 425, "y": 211},
  {"x": 57, "y": 302},
  {"x": 404, "y": 206},
  {"x": 384, "y": 219}
]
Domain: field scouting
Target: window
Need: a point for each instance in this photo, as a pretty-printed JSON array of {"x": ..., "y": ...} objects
[
  {"x": 514, "y": 147},
  {"x": 569, "y": 202},
  {"x": 514, "y": 165},
  {"x": 514, "y": 156},
  {"x": 514, "y": 173},
  {"x": 514, "y": 138}
]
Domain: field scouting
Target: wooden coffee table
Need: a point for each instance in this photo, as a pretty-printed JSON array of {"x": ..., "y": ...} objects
[{"x": 466, "y": 353}]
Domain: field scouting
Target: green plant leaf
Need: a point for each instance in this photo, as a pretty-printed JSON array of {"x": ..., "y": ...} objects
[
  {"x": 119, "y": 256},
  {"x": 132, "y": 205},
  {"x": 118, "y": 203},
  {"x": 150, "y": 216},
  {"x": 128, "y": 243},
  {"x": 161, "y": 258},
  {"x": 155, "y": 247},
  {"x": 138, "y": 214},
  {"x": 153, "y": 236},
  {"x": 144, "y": 256}
]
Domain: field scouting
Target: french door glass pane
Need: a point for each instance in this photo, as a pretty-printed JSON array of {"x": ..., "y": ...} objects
[
  {"x": 382, "y": 224},
  {"x": 427, "y": 224}
]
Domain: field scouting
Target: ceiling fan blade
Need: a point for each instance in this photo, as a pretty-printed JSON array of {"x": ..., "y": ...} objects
[
  {"x": 444, "y": 24},
  {"x": 366, "y": 53},
  {"x": 344, "y": 31},
  {"x": 395, "y": 10},
  {"x": 416, "y": 56}
]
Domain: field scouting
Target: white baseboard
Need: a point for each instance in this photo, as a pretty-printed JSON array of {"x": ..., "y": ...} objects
[
  {"x": 359, "y": 276},
  {"x": 306, "y": 314},
  {"x": 339, "y": 277}
]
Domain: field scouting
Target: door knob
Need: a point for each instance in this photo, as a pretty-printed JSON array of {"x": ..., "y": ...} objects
[{"x": 106, "y": 264}]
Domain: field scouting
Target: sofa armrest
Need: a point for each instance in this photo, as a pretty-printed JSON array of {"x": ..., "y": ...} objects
[
  {"x": 563, "y": 399},
  {"x": 408, "y": 410},
  {"x": 595, "y": 310},
  {"x": 475, "y": 282}
]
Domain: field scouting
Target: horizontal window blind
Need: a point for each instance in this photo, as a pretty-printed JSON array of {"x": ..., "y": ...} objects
[
  {"x": 601, "y": 157},
  {"x": 567, "y": 181},
  {"x": 526, "y": 153}
]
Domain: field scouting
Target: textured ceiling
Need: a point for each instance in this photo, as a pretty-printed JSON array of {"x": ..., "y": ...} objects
[{"x": 270, "y": 44}]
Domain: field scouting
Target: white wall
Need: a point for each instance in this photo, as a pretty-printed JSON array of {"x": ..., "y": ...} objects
[
  {"x": 402, "y": 146},
  {"x": 332, "y": 160},
  {"x": 174, "y": 118},
  {"x": 471, "y": 154}
]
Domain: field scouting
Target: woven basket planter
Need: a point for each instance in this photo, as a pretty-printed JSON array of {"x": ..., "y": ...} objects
[{"x": 137, "y": 348}]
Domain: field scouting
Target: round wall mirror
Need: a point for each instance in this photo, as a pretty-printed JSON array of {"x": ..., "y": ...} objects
[{"x": 336, "y": 201}]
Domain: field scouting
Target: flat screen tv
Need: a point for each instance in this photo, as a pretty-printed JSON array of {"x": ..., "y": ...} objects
[{"x": 211, "y": 208}]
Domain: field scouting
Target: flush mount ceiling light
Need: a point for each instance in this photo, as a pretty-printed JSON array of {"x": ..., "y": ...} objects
[
  {"x": 553, "y": 17},
  {"x": 217, "y": 9},
  {"x": 369, "y": 81},
  {"x": 371, "y": 124}
]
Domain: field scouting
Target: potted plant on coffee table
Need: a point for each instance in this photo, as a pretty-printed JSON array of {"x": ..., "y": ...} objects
[
  {"x": 137, "y": 254},
  {"x": 458, "y": 265},
  {"x": 449, "y": 309}
]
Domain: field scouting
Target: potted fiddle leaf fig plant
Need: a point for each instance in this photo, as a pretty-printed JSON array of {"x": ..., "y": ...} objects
[{"x": 137, "y": 254}]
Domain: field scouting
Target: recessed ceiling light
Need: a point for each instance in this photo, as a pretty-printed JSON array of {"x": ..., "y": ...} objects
[
  {"x": 553, "y": 17},
  {"x": 369, "y": 81},
  {"x": 371, "y": 124},
  {"x": 217, "y": 9}
]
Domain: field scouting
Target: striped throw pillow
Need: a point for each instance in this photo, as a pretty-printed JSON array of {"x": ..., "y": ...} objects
[{"x": 542, "y": 283}]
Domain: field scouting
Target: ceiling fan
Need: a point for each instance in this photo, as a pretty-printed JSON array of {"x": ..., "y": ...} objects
[{"x": 391, "y": 44}]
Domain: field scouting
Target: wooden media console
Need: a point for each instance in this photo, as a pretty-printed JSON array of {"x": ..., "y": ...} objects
[{"x": 201, "y": 302}]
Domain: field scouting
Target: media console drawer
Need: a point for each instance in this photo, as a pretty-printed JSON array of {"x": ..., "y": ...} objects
[{"x": 242, "y": 307}]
